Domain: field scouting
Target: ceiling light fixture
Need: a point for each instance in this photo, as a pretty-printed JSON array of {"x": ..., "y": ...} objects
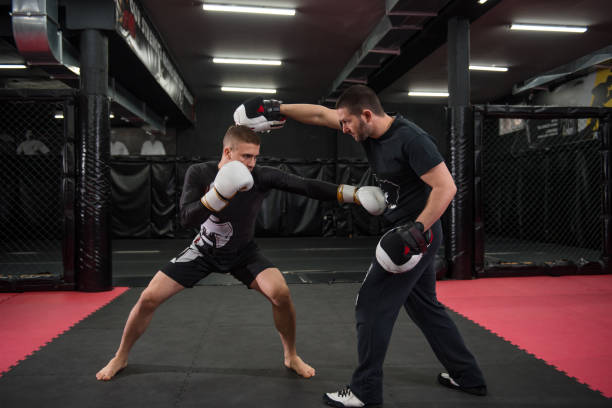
[
  {"x": 488, "y": 68},
  {"x": 428, "y": 93},
  {"x": 246, "y": 61},
  {"x": 482, "y": 1},
  {"x": 249, "y": 9},
  {"x": 13, "y": 66},
  {"x": 59, "y": 115},
  {"x": 76, "y": 70},
  {"x": 254, "y": 90},
  {"x": 553, "y": 28}
]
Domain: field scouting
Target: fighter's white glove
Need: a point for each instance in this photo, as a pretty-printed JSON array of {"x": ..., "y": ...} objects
[
  {"x": 231, "y": 178},
  {"x": 261, "y": 115},
  {"x": 369, "y": 197}
]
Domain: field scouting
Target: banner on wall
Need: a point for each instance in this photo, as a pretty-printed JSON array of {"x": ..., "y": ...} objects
[
  {"x": 593, "y": 90},
  {"x": 133, "y": 27}
]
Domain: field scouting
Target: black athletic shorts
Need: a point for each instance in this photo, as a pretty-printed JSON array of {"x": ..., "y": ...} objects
[{"x": 193, "y": 265}]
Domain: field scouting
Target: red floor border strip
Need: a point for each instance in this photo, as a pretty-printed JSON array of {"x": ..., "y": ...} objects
[
  {"x": 31, "y": 320},
  {"x": 563, "y": 321}
]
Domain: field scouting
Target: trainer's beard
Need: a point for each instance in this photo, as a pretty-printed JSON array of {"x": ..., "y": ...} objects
[{"x": 362, "y": 132}]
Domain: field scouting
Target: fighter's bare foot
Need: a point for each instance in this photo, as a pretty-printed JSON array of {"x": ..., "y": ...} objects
[
  {"x": 302, "y": 369},
  {"x": 112, "y": 368}
]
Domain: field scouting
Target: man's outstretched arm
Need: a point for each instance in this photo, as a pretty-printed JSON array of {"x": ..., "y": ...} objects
[
  {"x": 263, "y": 115},
  {"x": 370, "y": 198},
  {"x": 311, "y": 114}
]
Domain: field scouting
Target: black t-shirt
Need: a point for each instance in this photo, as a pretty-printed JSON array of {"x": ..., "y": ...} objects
[
  {"x": 398, "y": 158},
  {"x": 232, "y": 228}
]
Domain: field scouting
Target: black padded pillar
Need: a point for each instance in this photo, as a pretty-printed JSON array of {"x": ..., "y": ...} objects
[
  {"x": 460, "y": 226},
  {"x": 93, "y": 190}
]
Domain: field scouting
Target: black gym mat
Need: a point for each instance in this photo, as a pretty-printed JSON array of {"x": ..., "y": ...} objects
[{"x": 216, "y": 346}]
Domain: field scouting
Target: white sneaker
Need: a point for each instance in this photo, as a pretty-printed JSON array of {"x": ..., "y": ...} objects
[{"x": 342, "y": 398}]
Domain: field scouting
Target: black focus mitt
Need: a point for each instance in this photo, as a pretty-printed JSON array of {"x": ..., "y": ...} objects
[
  {"x": 402, "y": 248},
  {"x": 261, "y": 115}
]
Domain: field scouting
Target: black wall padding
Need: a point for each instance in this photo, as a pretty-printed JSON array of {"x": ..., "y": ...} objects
[
  {"x": 163, "y": 198},
  {"x": 131, "y": 195},
  {"x": 146, "y": 194},
  {"x": 304, "y": 216}
]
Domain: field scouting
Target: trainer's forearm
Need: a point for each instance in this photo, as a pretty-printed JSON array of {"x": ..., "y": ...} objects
[
  {"x": 311, "y": 114},
  {"x": 437, "y": 203}
]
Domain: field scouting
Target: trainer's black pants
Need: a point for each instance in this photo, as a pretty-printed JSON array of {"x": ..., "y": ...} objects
[{"x": 380, "y": 298}]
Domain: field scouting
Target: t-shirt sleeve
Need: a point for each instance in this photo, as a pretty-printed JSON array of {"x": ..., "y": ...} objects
[
  {"x": 197, "y": 183},
  {"x": 270, "y": 177},
  {"x": 422, "y": 152}
]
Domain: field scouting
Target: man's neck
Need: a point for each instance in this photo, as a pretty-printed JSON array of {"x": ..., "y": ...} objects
[{"x": 382, "y": 125}]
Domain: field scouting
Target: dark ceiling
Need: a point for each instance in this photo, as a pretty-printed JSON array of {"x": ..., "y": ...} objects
[
  {"x": 318, "y": 46},
  {"x": 526, "y": 54},
  {"x": 314, "y": 45}
]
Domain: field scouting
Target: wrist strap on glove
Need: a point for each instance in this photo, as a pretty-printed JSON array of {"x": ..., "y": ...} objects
[
  {"x": 271, "y": 109},
  {"x": 347, "y": 194}
]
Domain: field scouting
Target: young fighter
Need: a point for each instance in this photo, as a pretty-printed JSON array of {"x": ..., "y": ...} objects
[{"x": 223, "y": 199}]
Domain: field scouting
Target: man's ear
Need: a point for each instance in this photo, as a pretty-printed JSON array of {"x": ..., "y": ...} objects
[
  {"x": 227, "y": 152},
  {"x": 367, "y": 115}
]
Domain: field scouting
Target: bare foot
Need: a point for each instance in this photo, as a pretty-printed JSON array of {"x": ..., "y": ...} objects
[
  {"x": 302, "y": 369},
  {"x": 113, "y": 367}
]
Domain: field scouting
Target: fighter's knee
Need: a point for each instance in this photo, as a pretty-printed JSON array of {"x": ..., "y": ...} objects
[
  {"x": 148, "y": 301},
  {"x": 281, "y": 295}
]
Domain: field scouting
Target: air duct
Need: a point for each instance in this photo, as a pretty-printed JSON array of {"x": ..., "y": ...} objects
[{"x": 38, "y": 36}]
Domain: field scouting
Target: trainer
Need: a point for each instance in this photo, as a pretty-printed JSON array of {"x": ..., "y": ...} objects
[{"x": 418, "y": 188}]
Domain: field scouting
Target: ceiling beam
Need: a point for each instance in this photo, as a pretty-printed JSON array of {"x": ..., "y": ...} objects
[
  {"x": 425, "y": 42},
  {"x": 369, "y": 45}
]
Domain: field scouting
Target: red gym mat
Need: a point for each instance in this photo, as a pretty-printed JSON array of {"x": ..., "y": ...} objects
[
  {"x": 32, "y": 319},
  {"x": 565, "y": 321}
]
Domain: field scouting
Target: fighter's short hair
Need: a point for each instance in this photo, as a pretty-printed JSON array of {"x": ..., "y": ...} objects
[{"x": 240, "y": 134}]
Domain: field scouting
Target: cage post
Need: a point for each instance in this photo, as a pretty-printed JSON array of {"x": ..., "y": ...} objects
[{"x": 606, "y": 195}]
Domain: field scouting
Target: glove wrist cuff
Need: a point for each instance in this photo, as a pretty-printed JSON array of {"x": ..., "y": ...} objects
[
  {"x": 213, "y": 200},
  {"x": 347, "y": 194},
  {"x": 419, "y": 225},
  {"x": 272, "y": 109}
]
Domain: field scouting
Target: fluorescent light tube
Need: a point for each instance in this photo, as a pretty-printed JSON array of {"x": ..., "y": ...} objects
[
  {"x": 74, "y": 69},
  {"x": 248, "y": 9},
  {"x": 12, "y": 66},
  {"x": 246, "y": 61},
  {"x": 482, "y": 1},
  {"x": 488, "y": 68},
  {"x": 554, "y": 28},
  {"x": 59, "y": 116},
  {"x": 254, "y": 90},
  {"x": 428, "y": 93}
]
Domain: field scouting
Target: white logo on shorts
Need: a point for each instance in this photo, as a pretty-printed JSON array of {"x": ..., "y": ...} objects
[
  {"x": 189, "y": 254},
  {"x": 215, "y": 233}
]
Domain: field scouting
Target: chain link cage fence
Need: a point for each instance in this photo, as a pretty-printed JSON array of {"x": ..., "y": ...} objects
[
  {"x": 31, "y": 214},
  {"x": 541, "y": 192}
]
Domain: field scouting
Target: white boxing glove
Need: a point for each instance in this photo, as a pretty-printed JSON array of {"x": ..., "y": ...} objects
[
  {"x": 369, "y": 197},
  {"x": 231, "y": 178}
]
